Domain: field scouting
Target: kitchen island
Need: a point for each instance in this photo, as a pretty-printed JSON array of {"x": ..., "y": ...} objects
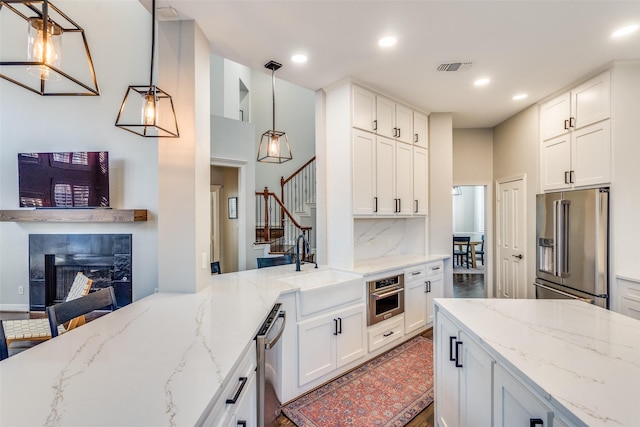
[{"x": 555, "y": 362}]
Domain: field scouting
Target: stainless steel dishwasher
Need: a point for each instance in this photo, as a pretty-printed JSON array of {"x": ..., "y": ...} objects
[{"x": 267, "y": 401}]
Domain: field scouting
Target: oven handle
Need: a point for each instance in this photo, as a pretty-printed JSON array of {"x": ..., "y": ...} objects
[
  {"x": 557, "y": 291},
  {"x": 377, "y": 296}
]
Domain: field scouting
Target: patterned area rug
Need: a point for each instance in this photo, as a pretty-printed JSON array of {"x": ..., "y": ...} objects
[{"x": 387, "y": 391}]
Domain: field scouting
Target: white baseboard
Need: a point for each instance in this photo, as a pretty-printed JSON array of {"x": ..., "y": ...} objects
[{"x": 14, "y": 307}]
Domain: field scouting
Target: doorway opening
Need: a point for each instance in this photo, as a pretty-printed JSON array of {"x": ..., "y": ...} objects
[
  {"x": 469, "y": 241},
  {"x": 224, "y": 242}
]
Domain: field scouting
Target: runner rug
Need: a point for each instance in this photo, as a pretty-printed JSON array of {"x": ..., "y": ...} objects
[{"x": 387, "y": 391}]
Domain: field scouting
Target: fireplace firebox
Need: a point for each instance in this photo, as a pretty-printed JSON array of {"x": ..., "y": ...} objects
[{"x": 55, "y": 259}]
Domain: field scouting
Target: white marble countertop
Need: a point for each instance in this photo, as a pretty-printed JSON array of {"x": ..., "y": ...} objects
[
  {"x": 156, "y": 362},
  {"x": 584, "y": 359},
  {"x": 380, "y": 265}
]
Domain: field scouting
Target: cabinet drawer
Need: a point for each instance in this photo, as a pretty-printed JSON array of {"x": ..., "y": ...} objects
[
  {"x": 434, "y": 268},
  {"x": 417, "y": 272},
  {"x": 387, "y": 332},
  {"x": 239, "y": 386}
]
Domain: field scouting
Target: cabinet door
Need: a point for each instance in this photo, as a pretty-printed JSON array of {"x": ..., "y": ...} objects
[
  {"x": 446, "y": 373},
  {"x": 420, "y": 129},
  {"x": 316, "y": 348},
  {"x": 591, "y": 154},
  {"x": 591, "y": 101},
  {"x": 363, "y": 167},
  {"x": 415, "y": 299},
  {"x": 554, "y": 117},
  {"x": 364, "y": 109},
  {"x": 436, "y": 290},
  {"x": 404, "y": 124},
  {"x": 351, "y": 338},
  {"x": 555, "y": 163},
  {"x": 514, "y": 405},
  {"x": 475, "y": 384},
  {"x": 404, "y": 179},
  {"x": 385, "y": 175},
  {"x": 420, "y": 181},
  {"x": 385, "y": 116}
]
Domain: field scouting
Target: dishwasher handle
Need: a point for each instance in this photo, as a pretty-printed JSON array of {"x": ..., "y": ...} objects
[{"x": 272, "y": 342}]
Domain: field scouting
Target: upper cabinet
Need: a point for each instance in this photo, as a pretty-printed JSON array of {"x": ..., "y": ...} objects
[
  {"x": 364, "y": 109},
  {"x": 575, "y": 137},
  {"x": 420, "y": 129}
]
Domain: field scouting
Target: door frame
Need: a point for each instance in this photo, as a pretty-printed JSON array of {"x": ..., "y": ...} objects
[
  {"x": 248, "y": 211},
  {"x": 488, "y": 232},
  {"x": 519, "y": 177}
]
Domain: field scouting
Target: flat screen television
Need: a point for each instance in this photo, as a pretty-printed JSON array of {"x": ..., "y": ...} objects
[{"x": 64, "y": 180}]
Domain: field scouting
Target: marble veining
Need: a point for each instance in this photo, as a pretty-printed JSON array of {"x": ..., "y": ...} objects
[{"x": 585, "y": 360}]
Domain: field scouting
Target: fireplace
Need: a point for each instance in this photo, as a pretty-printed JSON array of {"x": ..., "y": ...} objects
[{"x": 55, "y": 259}]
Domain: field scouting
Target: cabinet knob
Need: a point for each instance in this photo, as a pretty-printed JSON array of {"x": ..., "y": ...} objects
[
  {"x": 375, "y": 125},
  {"x": 415, "y": 137},
  {"x": 533, "y": 422}
]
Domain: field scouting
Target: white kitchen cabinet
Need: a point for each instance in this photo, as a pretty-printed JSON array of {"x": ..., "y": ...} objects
[
  {"x": 394, "y": 120},
  {"x": 385, "y": 199},
  {"x": 415, "y": 298},
  {"x": 386, "y": 332},
  {"x": 463, "y": 372},
  {"x": 404, "y": 124},
  {"x": 578, "y": 159},
  {"x": 575, "y": 137},
  {"x": 420, "y": 129},
  {"x": 514, "y": 404},
  {"x": 363, "y": 109},
  {"x": 435, "y": 286},
  {"x": 404, "y": 179},
  {"x": 587, "y": 103},
  {"x": 330, "y": 341},
  {"x": 420, "y": 181},
  {"x": 363, "y": 172},
  {"x": 238, "y": 399},
  {"x": 629, "y": 291}
]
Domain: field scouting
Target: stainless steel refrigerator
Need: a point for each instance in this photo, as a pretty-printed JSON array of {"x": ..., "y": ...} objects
[{"x": 572, "y": 237}]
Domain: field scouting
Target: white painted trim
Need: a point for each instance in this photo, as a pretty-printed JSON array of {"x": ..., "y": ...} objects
[{"x": 23, "y": 308}]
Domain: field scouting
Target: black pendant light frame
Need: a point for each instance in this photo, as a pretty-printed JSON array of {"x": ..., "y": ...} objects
[
  {"x": 46, "y": 21},
  {"x": 273, "y": 134},
  {"x": 151, "y": 130}
]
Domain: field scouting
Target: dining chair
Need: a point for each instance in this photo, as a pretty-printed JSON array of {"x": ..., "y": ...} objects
[
  {"x": 481, "y": 251},
  {"x": 458, "y": 252},
  {"x": 276, "y": 260},
  {"x": 38, "y": 329},
  {"x": 59, "y": 314}
]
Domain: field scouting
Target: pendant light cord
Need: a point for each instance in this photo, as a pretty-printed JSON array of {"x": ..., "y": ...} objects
[
  {"x": 273, "y": 97},
  {"x": 153, "y": 39}
]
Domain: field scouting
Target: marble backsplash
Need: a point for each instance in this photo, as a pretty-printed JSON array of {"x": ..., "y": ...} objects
[{"x": 375, "y": 238}]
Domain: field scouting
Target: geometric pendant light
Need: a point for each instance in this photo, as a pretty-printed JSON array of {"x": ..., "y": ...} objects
[
  {"x": 274, "y": 145},
  {"x": 52, "y": 57},
  {"x": 148, "y": 110}
]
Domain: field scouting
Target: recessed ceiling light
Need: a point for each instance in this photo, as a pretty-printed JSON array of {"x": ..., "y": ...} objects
[
  {"x": 623, "y": 31},
  {"x": 482, "y": 82},
  {"x": 519, "y": 96},
  {"x": 387, "y": 41},
  {"x": 299, "y": 58}
]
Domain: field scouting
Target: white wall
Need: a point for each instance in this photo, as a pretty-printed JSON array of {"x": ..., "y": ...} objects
[
  {"x": 515, "y": 152},
  {"x": 29, "y": 122}
]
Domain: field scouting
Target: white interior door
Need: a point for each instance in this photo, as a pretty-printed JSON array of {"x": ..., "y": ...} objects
[{"x": 510, "y": 242}]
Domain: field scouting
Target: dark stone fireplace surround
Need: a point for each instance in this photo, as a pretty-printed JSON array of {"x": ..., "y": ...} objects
[{"x": 55, "y": 259}]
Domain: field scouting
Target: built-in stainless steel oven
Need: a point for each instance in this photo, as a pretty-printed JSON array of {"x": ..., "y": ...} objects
[{"x": 386, "y": 298}]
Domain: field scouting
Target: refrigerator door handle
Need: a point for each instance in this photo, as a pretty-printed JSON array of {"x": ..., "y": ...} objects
[{"x": 560, "y": 238}]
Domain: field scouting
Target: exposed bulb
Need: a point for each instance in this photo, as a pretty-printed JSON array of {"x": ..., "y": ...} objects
[
  {"x": 274, "y": 147},
  {"x": 149, "y": 109},
  {"x": 44, "y": 48}
]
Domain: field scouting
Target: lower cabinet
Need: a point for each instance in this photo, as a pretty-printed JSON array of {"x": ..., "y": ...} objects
[
  {"x": 463, "y": 378},
  {"x": 514, "y": 405},
  {"x": 386, "y": 332},
  {"x": 422, "y": 284},
  {"x": 330, "y": 341},
  {"x": 237, "y": 405}
]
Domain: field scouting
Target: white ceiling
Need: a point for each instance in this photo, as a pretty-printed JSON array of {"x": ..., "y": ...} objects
[{"x": 537, "y": 47}]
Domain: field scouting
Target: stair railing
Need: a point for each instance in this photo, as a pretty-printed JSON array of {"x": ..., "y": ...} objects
[
  {"x": 300, "y": 187},
  {"x": 276, "y": 226}
]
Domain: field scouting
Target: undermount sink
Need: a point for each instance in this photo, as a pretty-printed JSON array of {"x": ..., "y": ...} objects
[{"x": 325, "y": 289}]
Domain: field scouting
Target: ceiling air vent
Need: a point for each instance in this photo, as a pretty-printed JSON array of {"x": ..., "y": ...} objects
[{"x": 455, "y": 66}]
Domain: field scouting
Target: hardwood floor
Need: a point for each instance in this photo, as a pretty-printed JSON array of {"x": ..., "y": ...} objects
[
  {"x": 468, "y": 286},
  {"x": 423, "y": 419}
]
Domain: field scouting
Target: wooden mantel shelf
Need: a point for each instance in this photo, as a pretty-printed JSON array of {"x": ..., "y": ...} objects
[{"x": 73, "y": 215}]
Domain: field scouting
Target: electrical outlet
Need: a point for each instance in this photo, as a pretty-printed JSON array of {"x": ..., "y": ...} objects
[{"x": 20, "y": 290}]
